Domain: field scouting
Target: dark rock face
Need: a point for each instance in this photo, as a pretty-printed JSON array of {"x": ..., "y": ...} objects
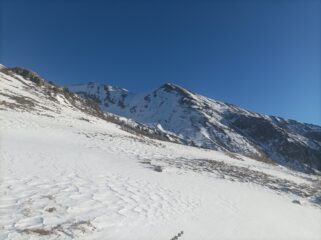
[
  {"x": 259, "y": 128},
  {"x": 275, "y": 139},
  {"x": 27, "y": 74}
]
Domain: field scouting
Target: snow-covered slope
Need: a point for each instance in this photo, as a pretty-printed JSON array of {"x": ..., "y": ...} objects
[
  {"x": 44, "y": 97},
  {"x": 67, "y": 172},
  {"x": 212, "y": 124}
]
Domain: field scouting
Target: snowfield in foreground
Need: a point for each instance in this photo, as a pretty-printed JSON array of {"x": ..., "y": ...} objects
[{"x": 74, "y": 176}]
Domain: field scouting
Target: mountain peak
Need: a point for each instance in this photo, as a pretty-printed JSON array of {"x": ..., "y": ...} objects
[
  {"x": 115, "y": 89},
  {"x": 96, "y": 85},
  {"x": 171, "y": 87}
]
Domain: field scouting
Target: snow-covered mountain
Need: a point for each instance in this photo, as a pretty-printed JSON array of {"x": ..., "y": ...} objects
[
  {"x": 70, "y": 171},
  {"x": 49, "y": 97},
  {"x": 211, "y": 124}
]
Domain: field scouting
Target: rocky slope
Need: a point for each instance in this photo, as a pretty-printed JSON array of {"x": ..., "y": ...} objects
[
  {"x": 211, "y": 124},
  {"x": 25, "y": 91}
]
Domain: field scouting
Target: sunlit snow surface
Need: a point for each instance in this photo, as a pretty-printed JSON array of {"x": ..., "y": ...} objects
[{"x": 63, "y": 177}]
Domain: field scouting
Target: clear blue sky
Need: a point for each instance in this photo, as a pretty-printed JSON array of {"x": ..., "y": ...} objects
[{"x": 262, "y": 55}]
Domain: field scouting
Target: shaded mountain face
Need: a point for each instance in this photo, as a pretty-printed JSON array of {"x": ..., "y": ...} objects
[{"x": 211, "y": 124}]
